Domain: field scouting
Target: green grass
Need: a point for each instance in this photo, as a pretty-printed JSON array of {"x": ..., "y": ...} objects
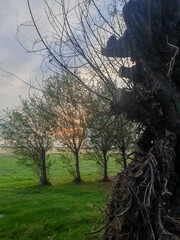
[{"x": 63, "y": 211}]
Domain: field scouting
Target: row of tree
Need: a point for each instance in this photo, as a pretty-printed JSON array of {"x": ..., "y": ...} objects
[
  {"x": 71, "y": 116},
  {"x": 143, "y": 51}
]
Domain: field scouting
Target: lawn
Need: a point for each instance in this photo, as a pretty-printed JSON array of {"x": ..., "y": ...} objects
[{"x": 63, "y": 211}]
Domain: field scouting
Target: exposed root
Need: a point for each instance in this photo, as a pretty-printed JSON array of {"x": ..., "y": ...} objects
[{"x": 141, "y": 199}]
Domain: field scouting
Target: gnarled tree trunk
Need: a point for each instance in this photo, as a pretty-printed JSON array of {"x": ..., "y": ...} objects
[{"x": 146, "y": 199}]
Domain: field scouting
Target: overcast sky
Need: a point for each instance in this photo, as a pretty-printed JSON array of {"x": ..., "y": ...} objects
[{"x": 13, "y": 57}]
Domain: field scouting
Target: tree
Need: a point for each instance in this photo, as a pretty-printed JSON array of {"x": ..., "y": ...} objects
[
  {"x": 100, "y": 131},
  {"x": 64, "y": 97},
  {"x": 79, "y": 41},
  {"x": 149, "y": 190},
  {"x": 107, "y": 132},
  {"x": 125, "y": 138},
  {"x": 26, "y": 130},
  {"x": 100, "y": 139}
]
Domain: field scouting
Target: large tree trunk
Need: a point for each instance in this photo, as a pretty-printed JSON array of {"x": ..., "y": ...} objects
[
  {"x": 146, "y": 198},
  {"x": 78, "y": 175},
  {"x": 44, "y": 180}
]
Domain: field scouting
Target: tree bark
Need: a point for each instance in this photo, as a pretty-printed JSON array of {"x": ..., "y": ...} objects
[
  {"x": 145, "y": 200},
  {"x": 124, "y": 157},
  {"x": 78, "y": 175},
  {"x": 44, "y": 180},
  {"x": 105, "y": 178}
]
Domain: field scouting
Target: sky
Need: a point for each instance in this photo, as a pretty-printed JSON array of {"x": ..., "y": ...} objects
[{"x": 13, "y": 58}]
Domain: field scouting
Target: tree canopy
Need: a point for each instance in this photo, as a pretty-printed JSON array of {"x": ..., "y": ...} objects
[{"x": 25, "y": 129}]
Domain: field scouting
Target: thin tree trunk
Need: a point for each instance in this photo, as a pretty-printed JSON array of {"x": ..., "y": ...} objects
[
  {"x": 44, "y": 180},
  {"x": 105, "y": 167},
  {"x": 78, "y": 175},
  {"x": 124, "y": 158}
]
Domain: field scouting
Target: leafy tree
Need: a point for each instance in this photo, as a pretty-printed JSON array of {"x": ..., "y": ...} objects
[
  {"x": 64, "y": 97},
  {"x": 26, "y": 130},
  {"x": 100, "y": 139},
  {"x": 125, "y": 133},
  {"x": 110, "y": 133},
  {"x": 100, "y": 131}
]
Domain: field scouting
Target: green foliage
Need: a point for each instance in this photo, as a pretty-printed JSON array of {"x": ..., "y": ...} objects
[
  {"x": 64, "y": 97},
  {"x": 34, "y": 162},
  {"x": 100, "y": 134},
  {"x": 97, "y": 157},
  {"x": 65, "y": 101},
  {"x": 108, "y": 133},
  {"x": 68, "y": 161},
  {"x": 25, "y": 129},
  {"x": 125, "y": 134}
]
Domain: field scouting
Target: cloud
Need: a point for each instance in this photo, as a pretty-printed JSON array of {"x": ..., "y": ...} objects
[{"x": 13, "y": 57}]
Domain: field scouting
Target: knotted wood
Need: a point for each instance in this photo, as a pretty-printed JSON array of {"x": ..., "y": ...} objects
[{"x": 145, "y": 202}]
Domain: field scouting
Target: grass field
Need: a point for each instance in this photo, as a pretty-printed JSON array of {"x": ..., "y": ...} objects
[{"x": 63, "y": 211}]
